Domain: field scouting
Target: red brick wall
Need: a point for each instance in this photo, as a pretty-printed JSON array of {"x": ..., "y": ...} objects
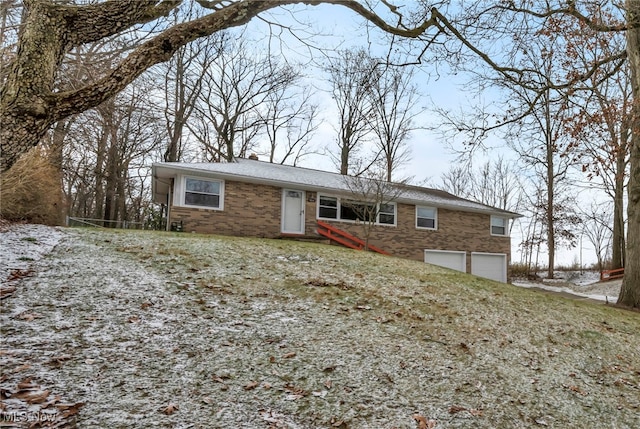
[
  {"x": 249, "y": 210},
  {"x": 255, "y": 210}
]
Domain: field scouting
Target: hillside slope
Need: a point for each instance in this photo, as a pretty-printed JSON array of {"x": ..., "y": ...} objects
[{"x": 187, "y": 331}]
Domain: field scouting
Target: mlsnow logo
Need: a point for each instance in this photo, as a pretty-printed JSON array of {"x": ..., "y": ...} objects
[{"x": 26, "y": 416}]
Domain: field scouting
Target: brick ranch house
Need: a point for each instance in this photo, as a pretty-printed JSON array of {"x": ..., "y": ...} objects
[{"x": 259, "y": 199}]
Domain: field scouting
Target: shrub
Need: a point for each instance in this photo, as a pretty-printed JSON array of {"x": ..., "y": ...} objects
[
  {"x": 518, "y": 270},
  {"x": 31, "y": 191}
]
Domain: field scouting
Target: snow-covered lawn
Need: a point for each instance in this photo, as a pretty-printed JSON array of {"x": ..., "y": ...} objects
[
  {"x": 586, "y": 285},
  {"x": 138, "y": 329}
]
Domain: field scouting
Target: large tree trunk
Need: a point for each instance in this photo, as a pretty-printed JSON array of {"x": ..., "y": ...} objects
[
  {"x": 25, "y": 113},
  {"x": 630, "y": 292}
]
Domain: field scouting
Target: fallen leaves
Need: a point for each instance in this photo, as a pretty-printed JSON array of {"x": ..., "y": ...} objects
[
  {"x": 6, "y": 291},
  {"x": 28, "y": 317},
  {"x": 323, "y": 283},
  {"x": 170, "y": 409},
  {"x": 454, "y": 409},
  {"x": 19, "y": 274},
  {"x": 40, "y": 405},
  {"x": 295, "y": 392},
  {"x": 423, "y": 422},
  {"x": 575, "y": 389},
  {"x": 32, "y": 396},
  {"x": 251, "y": 385}
]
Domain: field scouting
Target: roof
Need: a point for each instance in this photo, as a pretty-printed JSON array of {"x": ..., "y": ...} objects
[{"x": 252, "y": 171}]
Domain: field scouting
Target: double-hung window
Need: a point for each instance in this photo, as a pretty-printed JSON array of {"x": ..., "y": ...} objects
[
  {"x": 387, "y": 214},
  {"x": 426, "y": 217},
  {"x": 203, "y": 193},
  {"x": 499, "y": 225}
]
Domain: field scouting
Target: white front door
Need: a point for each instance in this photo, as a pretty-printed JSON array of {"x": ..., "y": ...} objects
[{"x": 292, "y": 211}]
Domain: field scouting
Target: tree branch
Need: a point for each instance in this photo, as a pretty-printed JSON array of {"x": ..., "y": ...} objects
[
  {"x": 91, "y": 23},
  {"x": 162, "y": 47}
]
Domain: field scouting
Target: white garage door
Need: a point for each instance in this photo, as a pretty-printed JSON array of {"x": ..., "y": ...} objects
[
  {"x": 490, "y": 266},
  {"x": 448, "y": 259}
]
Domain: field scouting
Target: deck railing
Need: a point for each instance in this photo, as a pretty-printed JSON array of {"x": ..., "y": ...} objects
[
  {"x": 344, "y": 238},
  {"x": 611, "y": 274}
]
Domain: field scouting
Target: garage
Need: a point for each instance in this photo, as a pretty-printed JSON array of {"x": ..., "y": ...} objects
[
  {"x": 490, "y": 266},
  {"x": 446, "y": 258}
]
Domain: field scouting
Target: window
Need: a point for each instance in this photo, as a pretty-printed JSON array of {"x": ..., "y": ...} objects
[
  {"x": 350, "y": 210},
  {"x": 426, "y": 217},
  {"x": 387, "y": 214},
  {"x": 498, "y": 225},
  {"x": 202, "y": 193},
  {"x": 328, "y": 207},
  {"x": 353, "y": 210}
]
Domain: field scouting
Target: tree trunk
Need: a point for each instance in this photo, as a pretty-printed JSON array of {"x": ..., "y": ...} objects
[
  {"x": 101, "y": 151},
  {"x": 630, "y": 292},
  {"x": 618, "y": 242},
  {"x": 25, "y": 113},
  {"x": 551, "y": 236},
  {"x": 111, "y": 179},
  {"x": 28, "y": 104},
  {"x": 344, "y": 159}
]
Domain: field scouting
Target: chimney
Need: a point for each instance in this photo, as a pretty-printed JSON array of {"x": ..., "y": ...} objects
[{"x": 253, "y": 156}]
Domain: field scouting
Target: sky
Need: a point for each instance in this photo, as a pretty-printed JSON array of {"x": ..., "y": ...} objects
[{"x": 341, "y": 28}]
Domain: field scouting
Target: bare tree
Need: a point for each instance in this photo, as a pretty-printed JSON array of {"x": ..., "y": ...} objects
[
  {"x": 534, "y": 129},
  {"x": 352, "y": 77},
  {"x": 371, "y": 200},
  {"x": 495, "y": 183},
  {"x": 394, "y": 101},
  {"x": 105, "y": 151},
  {"x": 234, "y": 91},
  {"x": 601, "y": 128},
  {"x": 28, "y": 103},
  {"x": 458, "y": 180},
  {"x": 597, "y": 228},
  {"x": 508, "y": 30},
  {"x": 290, "y": 119},
  {"x": 182, "y": 78}
]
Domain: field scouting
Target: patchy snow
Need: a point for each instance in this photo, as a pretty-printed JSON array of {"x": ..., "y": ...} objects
[
  {"x": 585, "y": 284},
  {"x": 187, "y": 331},
  {"x": 23, "y": 244}
]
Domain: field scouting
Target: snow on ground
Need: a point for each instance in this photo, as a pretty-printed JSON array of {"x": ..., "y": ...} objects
[
  {"x": 136, "y": 329},
  {"x": 23, "y": 244},
  {"x": 584, "y": 284}
]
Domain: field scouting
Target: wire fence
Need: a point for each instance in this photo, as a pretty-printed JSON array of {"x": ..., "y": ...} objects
[{"x": 101, "y": 223}]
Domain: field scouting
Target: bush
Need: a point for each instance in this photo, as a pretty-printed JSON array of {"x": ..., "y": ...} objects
[
  {"x": 518, "y": 270},
  {"x": 31, "y": 191}
]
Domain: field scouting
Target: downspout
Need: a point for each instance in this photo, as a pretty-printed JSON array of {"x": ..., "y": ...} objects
[{"x": 169, "y": 199}]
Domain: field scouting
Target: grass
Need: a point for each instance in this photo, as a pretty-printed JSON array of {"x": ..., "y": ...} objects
[{"x": 268, "y": 333}]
